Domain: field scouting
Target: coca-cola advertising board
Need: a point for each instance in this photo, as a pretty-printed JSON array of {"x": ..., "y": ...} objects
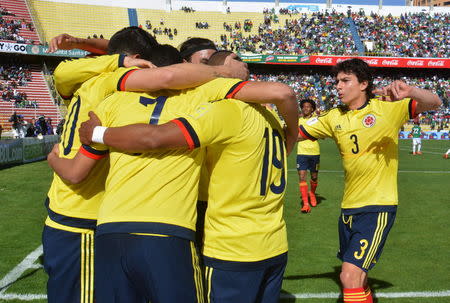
[
  {"x": 386, "y": 61},
  {"x": 332, "y": 60}
]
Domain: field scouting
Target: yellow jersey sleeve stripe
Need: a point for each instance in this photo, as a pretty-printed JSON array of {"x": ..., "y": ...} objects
[
  {"x": 235, "y": 89},
  {"x": 93, "y": 153},
  {"x": 412, "y": 109},
  {"x": 305, "y": 134},
  {"x": 188, "y": 131},
  {"x": 123, "y": 79}
]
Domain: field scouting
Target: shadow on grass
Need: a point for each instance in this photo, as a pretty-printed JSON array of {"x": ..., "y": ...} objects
[{"x": 375, "y": 284}]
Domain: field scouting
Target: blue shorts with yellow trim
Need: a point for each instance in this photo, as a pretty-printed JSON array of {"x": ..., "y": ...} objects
[
  {"x": 362, "y": 237},
  {"x": 308, "y": 162},
  {"x": 141, "y": 268},
  {"x": 244, "y": 282},
  {"x": 69, "y": 263}
]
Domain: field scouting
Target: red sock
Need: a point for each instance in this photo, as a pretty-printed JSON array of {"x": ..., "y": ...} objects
[
  {"x": 313, "y": 185},
  {"x": 354, "y": 295},
  {"x": 368, "y": 293},
  {"x": 304, "y": 192}
]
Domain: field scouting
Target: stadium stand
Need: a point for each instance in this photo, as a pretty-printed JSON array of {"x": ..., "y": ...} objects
[
  {"x": 36, "y": 92},
  {"x": 78, "y": 19},
  {"x": 19, "y": 22}
]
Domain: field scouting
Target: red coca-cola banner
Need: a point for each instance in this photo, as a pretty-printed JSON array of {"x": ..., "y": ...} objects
[{"x": 385, "y": 61}]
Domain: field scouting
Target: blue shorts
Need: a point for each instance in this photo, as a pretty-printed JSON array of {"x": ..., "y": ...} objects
[
  {"x": 308, "y": 162},
  {"x": 65, "y": 254},
  {"x": 140, "y": 268},
  {"x": 244, "y": 282},
  {"x": 362, "y": 237}
]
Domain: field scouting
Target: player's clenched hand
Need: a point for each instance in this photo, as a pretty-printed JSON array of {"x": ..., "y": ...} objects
[
  {"x": 63, "y": 41},
  {"x": 87, "y": 128},
  {"x": 238, "y": 69},
  {"x": 54, "y": 152},
  {"x": 397, "y": 90},
  {"x": 129, "y": 62}
]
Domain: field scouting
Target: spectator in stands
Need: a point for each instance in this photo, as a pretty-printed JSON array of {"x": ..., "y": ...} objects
[
  {"x": 60, "y": 127},
  {"x": 50, "y": 131},
  {"x": 41, "y": 126},
  {"x": 31, "y": 129},
  {"x": 1, "y": 130}
]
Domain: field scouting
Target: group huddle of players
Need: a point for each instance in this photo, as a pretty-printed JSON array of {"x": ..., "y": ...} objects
[{"x": 148, "y": 136}]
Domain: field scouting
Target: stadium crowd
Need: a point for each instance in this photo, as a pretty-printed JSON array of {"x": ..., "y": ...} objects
[
  {"x": 13, "y": 76},
  {"x": 321, "y": 89},
  {"x": 324, "y": 33},
  {"x": 10, "y": 27},
  {"x": 409, "y": 35}
]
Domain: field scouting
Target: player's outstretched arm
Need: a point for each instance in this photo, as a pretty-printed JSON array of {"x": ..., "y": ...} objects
[
  {"x": 282, "y": 96},
  {"x": 397, "y": 90},
  {"x": 72, "y": 170},
  {"x": 66, "y": 41},
  {"x": 183, "y": 75},
  {"x": 135, "y": 137}
]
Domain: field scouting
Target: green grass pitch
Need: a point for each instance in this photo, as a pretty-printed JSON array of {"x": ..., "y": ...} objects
[{"x": 415, "y": 258}]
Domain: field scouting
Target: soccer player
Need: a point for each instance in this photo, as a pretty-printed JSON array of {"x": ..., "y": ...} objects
[
  {"x": 245, "y": 231},
  {"x": 197, "y": 50},
  {"x": 146, "y": 181},
  {"x": 308, "y": 158},
  {"x": 416, "y": 141},
  {"x": 366, "y": 132},
  {"x": 68, "y": 237}
]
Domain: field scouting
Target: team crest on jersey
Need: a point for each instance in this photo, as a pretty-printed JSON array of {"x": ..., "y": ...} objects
[{"x": 369, "y": 120}]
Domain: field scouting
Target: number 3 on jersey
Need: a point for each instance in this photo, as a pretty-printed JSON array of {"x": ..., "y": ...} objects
[{"x": 274, "y": 142}]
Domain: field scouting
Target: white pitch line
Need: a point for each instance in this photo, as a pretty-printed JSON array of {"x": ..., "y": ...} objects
[
  {"x": 17, "y": 271},
  {"x": 334, "y": 295},
  {"x": 22, "y": 297},
  {"x": 425, "y": 151}
]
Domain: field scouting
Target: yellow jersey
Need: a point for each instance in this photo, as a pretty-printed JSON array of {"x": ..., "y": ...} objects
[
  {"x": 77, "y": 205},
  {"x": 156, "y": 192},
  {"x": 307, "y": 147},
  {"x": 244, "y": 219},
  {"x": 367, "y": 139}
]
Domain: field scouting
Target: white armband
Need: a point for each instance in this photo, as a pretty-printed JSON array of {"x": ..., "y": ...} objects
[{"x": 97, "y": 134}]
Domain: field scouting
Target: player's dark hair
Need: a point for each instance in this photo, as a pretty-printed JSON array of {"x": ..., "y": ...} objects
[
  {"x": 218, "y": 58},
  {"x": 193, "y": 45},
  {"x": 165, "y": 54},
  {"x": 360, "y": 69},
  {"x": 313, "y": 104},
  {"x": 132, "y": 40}
]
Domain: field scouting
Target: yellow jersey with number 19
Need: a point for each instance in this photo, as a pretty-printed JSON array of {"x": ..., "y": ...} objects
[
  {"x": 77, "y": 205},
  {"x": 367, "y": 139},
  {"x": 244, "y": 219}
]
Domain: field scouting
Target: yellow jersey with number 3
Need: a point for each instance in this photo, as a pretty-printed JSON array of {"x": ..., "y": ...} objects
[{"x": 367, "y": 139}]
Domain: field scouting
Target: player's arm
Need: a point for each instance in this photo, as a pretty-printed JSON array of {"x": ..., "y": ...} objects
[
  {"x": 282, "y": 96},
  {"x": 66, "y": 41},
  {"x": 69, "y": 75},
  {"x": 73, "y": 170},
  {"x": 137, "y": 137},
  {"x": 425, "y": 99},
  {"x": 183, "y": 75}
]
